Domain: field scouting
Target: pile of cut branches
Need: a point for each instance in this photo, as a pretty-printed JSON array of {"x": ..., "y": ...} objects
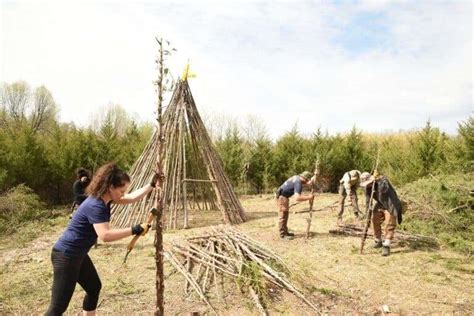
[
  {"x": 400, "y": 236},
  {"x": 227, "y": 252},
  {"x": 442, "y": 207}
]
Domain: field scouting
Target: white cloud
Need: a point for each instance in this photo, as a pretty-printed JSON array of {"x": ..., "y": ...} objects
[{"x": 278, "y": 60}]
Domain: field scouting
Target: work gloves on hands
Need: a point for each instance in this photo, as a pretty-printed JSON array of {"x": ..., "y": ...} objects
[
  {"x": 155, "y": 178},
  {"x": 140, "y": 229}
]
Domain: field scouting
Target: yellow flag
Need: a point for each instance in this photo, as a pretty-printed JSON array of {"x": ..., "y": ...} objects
[{"x": 188, "y": 74}]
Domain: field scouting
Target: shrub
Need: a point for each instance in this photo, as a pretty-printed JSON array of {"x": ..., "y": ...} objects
[{"x": 19, "y": 204}]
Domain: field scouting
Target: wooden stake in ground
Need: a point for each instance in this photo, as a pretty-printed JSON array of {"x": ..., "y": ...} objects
[
  {"x": 313, "y": 183},
  {"x": 160, "y": 286}
]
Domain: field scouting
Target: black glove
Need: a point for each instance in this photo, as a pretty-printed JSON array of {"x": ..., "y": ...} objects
[
  {"x": 137, "y": 229},
  {"x": 155, "y": 179}
]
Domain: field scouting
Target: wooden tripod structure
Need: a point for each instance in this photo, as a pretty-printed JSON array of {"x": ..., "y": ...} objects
[{"x": 195, "y": 177}]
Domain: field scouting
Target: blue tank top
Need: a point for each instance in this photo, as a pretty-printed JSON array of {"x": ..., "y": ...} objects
[{"x": 80, "y": 234}]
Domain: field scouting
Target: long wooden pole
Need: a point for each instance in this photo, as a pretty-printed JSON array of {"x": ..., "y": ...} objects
[
  {"x": 369, "y": 212},
  {"x": 160, "y": 286},
  {"x": 185, "y": 192},
  {"x": 310, "y": 217}
]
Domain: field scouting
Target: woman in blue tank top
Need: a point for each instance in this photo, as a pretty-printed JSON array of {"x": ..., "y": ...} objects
[{"x": 71, "y": 263}]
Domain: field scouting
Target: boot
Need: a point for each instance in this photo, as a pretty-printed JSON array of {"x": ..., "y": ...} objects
[
  {"x": 290, "y": 234},
  {"x": 285, "y": 236},
  {"x": 377, "y": 244},
  {"x": 386, "y": 251}
]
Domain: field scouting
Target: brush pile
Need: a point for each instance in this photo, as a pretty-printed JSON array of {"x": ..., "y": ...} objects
[
  {"x": 400, "y": 236},
  {"x": 226, "y": 252}
]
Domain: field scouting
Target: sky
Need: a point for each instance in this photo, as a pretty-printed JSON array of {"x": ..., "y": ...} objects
[{"x": 382, "y": 66}]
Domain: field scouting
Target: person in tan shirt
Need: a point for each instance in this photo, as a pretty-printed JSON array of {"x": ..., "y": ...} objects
[{"x": 348, "y": 187}]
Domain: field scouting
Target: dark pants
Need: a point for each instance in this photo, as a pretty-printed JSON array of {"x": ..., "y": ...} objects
[{"x": 67, "y": 272}]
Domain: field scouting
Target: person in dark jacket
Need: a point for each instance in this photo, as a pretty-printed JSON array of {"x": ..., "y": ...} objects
[
  {"x": 292, "y": 186},
  {"x": 386, "y": 207},
  {"x": 83, "y": 178}
]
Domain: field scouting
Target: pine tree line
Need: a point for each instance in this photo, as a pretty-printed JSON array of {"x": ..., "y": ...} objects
[{"x": 43, "y": 153}]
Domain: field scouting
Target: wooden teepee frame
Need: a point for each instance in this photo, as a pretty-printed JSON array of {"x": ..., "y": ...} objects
[{"x": 195, "y": 177}]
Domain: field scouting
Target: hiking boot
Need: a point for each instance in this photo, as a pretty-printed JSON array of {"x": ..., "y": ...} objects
[
  {"x": 287, "y": 237},
  {"x": 385, "y": 251},
  {"x": 290, "y": 234},
  {"x": 377, "y": 244}
]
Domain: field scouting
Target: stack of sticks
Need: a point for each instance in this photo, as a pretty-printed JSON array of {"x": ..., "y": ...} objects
[
  {"x": 400, "y": 237},
  {"x": 226, "y": 252}
]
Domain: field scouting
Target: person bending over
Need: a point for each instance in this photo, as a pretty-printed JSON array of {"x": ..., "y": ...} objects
[{"x": 292, "y": 186}]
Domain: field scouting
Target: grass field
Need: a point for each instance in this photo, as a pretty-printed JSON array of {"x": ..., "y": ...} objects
[{"x": 328, "y": 268}]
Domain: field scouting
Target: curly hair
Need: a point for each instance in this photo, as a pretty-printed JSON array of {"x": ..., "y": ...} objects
[{"x": 108, "y": 175}]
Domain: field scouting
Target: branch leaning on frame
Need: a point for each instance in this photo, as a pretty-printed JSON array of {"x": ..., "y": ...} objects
[
  {"x": 370, "y": 210},
  {"x": 311, "y": 202}
]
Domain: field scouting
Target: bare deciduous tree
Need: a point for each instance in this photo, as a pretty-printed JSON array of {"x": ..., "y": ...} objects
[
  {"x": 113, "y": 116},
  {"x": 20, "y": 107},
  {"x": 44, "y": 109},
  {"x": 15, "y": 98}
]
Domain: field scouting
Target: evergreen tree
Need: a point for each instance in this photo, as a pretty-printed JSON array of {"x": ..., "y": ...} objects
[
  {"x": 259, "y": 164},
  {"x": 288, "y": 156},
  {"x": 231, "y": 152},
  {"x": 428, "y": 149}
]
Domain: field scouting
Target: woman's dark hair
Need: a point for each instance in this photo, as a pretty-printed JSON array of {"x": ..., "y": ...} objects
[
  {"x": 82, "y": 172},
  {"x": 109, "y": 175}
]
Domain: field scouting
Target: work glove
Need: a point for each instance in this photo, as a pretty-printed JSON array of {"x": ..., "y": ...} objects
[
  {"x": 376, "y": 174},
  {"x": 140, "y": 229},
  {"x": 155, "y": 178}
]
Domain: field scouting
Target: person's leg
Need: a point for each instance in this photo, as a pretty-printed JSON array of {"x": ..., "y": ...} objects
[
  {"x": 281, "y": 216},
  {"x": 342, "y": 198},
  {"x": 283, "y": 210},
  {"x": 66, "y": 272},
  {"x": 377, "y": 219},
  {"x": 390, "y": 224},
  {"x": 90, "y": 282},
  {"x": 354, "y": 202}
]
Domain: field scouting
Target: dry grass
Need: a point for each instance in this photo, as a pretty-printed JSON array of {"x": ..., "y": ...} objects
[{"x": 329, "y": 268}]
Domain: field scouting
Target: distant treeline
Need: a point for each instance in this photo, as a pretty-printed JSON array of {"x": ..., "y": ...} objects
[
  {"x": 43, "y": 153},
  {"x": 260, "y": 165}
]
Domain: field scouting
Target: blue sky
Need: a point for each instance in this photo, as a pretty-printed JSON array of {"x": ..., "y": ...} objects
[{"x": 379, "y": 65}]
